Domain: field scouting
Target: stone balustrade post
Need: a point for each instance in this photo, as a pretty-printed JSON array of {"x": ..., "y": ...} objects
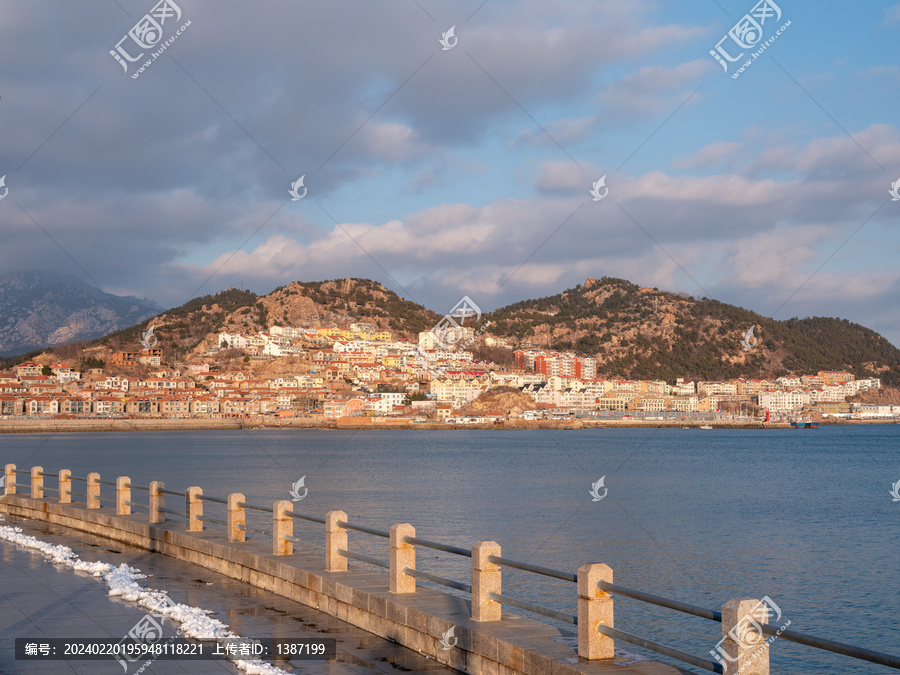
[
  {"x": 37, "y": 482},
  {"x": 157, "y": 502},
  {"x": 486, "y": 578},
  {"x": 123, "y": 496},
  {"x": 743, "y": 648},
  {"x": 9, "y": 479},
  {"x": 65, "y": 486},
  {"x": 194, "y": 508},
  {"x": 595, "y": 607},
  {"x": 282, "y": 527},
  {"x": 92, "y": 490},
  {"x": 236, "y": 517},
  {"x": 335, "y": 540},
  {"x": 403, "y": 555}
]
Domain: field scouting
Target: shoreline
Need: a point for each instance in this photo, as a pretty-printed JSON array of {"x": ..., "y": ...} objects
[{"x": 354, "y": 424}]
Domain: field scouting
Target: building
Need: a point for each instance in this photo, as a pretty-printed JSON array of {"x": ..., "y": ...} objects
[
  {"x": 784, "y": 401},
  {"x": 343, "y": 407},
  {"x": 147, "y": 357},
  {"x": 835, "y": 376}
]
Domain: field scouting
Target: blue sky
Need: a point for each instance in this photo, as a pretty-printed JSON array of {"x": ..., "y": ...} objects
[{"x": 440, "y": 172}]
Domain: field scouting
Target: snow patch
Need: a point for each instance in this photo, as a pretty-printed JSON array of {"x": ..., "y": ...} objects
[{"x": 122, "y": 582}]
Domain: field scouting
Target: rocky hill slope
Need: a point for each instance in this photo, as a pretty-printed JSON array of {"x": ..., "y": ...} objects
[
  {"x": 193, "y": 326},
  {"x": 646, "y": 333},
  {"x": 501, "y": 400}
]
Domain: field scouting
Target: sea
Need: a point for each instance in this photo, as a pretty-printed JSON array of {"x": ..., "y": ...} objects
[{"x": 802, "y": 517}]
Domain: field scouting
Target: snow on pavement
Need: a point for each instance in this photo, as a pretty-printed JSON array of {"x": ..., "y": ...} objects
[{"x": 122, "y": 582}]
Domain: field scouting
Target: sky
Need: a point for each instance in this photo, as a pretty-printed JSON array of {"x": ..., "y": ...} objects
[{"x": 448, "y": 164}]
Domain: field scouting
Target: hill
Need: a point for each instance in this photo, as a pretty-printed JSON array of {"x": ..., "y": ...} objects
[
  {"x": 192, "y": 327},
  {"x": 639, "y": 332}
]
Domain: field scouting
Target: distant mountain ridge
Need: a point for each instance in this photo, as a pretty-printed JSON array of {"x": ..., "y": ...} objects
[{"x": 42, "y": 309}]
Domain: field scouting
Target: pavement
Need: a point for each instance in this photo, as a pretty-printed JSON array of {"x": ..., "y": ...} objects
[{"x": 41, "y": 600}]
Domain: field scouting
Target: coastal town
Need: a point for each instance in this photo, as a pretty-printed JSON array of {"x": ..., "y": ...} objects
[{"x": 369, "y": 375}]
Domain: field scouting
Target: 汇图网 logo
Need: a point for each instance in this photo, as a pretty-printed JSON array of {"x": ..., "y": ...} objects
[
  {"x": 146, "y": 34},
  {"x": 894, "y": 192},
  {"x": 746, "y": 34},
  {"x": 148, "y": 339},
  {"x": 895, "y": 491},
  {"x": 748, "y": 631},
  {"x": 595, "y": 490},
  {"x": 446, "y": 638},
  {"x": 749, "y": 341},
  {"x": 596, "y": 189},
  {"x": 296, "y": 487},
  {"x": 449, "y": 332},
  {"x": 295, "y": 193},
  {"x": 449, "y": 39}
]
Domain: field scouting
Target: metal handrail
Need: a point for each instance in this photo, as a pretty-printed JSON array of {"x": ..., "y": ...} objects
[
  {"x": 138, "y": 487},
  {"x": 702, "y": 612},
  {"x": 532, "y": 607},
  {"x": 660, "y": 648},
  {"x": 363, "y": 558},
  {"x": 104, "y": 499},
  {"x": 362, "y": 528},
  {"x": 52, "y": 489},
  {"x": 78, "y": 478},
  {"x": 212, "y": 499},
  {"x": 537, "y": 569},
  {"x": 450, "y": 583},
  {"x": 107, "y": 482},
  {"x": 415, "y": 541},
  {"x": 169, "y": 492},
  {"x": 832, "y": 646},
  {"x": 264, "y": 509},
  {"x": 77, "y": 494},
  {"x": 217, "y": 522},
  {"x": 140, "y": 506},
  {"x": 303, "y": 542},
  {"x": 311, "y": 519},
  {"x": 180, "y": 514}
]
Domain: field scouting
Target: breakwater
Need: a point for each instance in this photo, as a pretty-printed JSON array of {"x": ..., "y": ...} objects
[{"x": 476, "y": 636}]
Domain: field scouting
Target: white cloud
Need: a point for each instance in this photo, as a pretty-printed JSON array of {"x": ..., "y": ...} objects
[{"x": 652, "y": 90}]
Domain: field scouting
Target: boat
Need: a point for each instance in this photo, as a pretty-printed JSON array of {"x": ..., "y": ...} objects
[
  {"x": 706, "y": 426},
  {"x": 804, "y": 423}
]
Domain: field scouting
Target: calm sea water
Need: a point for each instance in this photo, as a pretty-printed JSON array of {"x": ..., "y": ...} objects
[{"x": 802, "y": 516}]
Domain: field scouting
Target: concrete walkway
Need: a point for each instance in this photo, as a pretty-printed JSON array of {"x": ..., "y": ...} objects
[{"x": 39, "y": 599}]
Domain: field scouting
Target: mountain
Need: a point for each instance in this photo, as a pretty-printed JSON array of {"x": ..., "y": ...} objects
[
  {"x": 337, "y": 303},
  {"x": 645, "y": 333},
  {"x": 40, "y": 309},
  {"x": 632, "y": 331}
]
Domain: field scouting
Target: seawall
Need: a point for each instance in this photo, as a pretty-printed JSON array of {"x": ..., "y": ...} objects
[{"x": 514, "y": 644}]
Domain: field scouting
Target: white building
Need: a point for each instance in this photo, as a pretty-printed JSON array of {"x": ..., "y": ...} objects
[
  {"x": 379, "y": 406},
  {"x": 784, "y": 400}
]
